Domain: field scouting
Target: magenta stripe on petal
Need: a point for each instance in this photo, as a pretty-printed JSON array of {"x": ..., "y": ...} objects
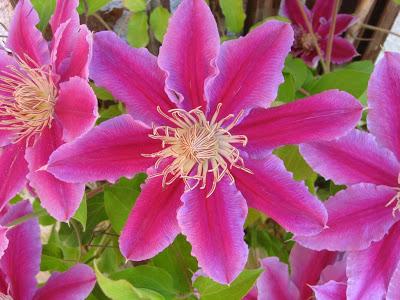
[
  {"x": 371, "y": 270},
  {"x": 325, "y": 116},
  {"x": 109, "y": 151},
  {"x": 131, "y": 75},
  {"x": 274, "y": 282},
  {"x": 272, "y": 190},
  {"x": 188, "y": 57},
  {"x": 354, "y": 158},
  {"x": 357, "y": 217},
  {"x": 384, "y": 102},
  {"x": 64, "y": 11},
  {"x": 250, "y": 69},
  {"x": 214, "y": 228},
  {"x": 23, "y": 36},
  {"x": 152, "y": 225}
]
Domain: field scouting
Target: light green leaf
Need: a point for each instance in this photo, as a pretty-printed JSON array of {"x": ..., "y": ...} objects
[
  {"x": 123, "y": 290},
  {"x": 159, "y": 22},
  {"x": 234, "y": 14},
  {"x": 45, "y": 9},
  {"x": 137, "y": 34},
  {"x": 287, "y": 89},
  {"x": 110, "y": 112},
  {"x": 119, "y": 199},
  {"x": 93, "y": 5},
  {"x": 101, "y": 93},
  {"x": 81, "y": 213},
  {"x": 210, "y": 290},
  {"x": 135, "y": 5},
  {"x": 298, "y": 69}
]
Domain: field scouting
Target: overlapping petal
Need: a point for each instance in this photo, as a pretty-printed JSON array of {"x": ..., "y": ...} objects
[
  {"x": 292, "y": 10},
  {"x": 332, "y": 290},
  {"x": 272, "y": 190},
  {"x": 76, "y": 108},
  {"x": 354, "y": 158},
  {"x": 343, "y": 21},
  {"x": 322, "y": 11},
  {"x": 393, "y": 291},
  {"x": 109, "y": 151},
  {"x": 250, "y": 70},
  {"x": 384, "y": 102},
  {"x": 274, "y": 282},
  {"x": 342, "y": 50},
  {"x": 358, "y": 216},
  {"x": 74, "y": 284},
  {"x": 152, "y": 224},
  {"x": 139, "y": 84},
  {"x": 24, "y": 39},
  {"x": 59, "y": 198},
  {"x": 214, "y": 228},
  {"x": 189, "y": 58},
  {"x": 64, "y": 11},
  {"x": 370, "y": 271},
  {"x": 325, "y": 116}
]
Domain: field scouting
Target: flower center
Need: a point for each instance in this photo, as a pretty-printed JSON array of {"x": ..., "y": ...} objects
[
  {"x": 396, "y": 198},
  {"x": 5, "y": 297},
  {"x": 197, "y": 147},
  {"x": 307, "y": 41},
  {"x": 27, "y": 99}
]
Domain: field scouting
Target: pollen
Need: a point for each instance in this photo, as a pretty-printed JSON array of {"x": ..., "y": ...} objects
[
  {"x": 196, "y": 148},
  {"x": 27, "y": 99},
  {"x": 395, "y": 199}
]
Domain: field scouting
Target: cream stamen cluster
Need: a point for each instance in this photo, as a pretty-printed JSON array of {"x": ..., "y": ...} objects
[
  {"x": 27, "y": 99},
  {"x": 197, "y": 147},
  {"x": 396, "y": 198}
]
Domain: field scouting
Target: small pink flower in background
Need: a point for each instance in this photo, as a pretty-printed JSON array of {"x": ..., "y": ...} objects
[
  {"x": 363, "y": 219},
  {"x": 45, "y": 100},
  {"x": 198, "y": 125},
  {"x": 20, "y": 263},
  {"x": 320, "y": 19},
  {"x": 322, "y": 273}
]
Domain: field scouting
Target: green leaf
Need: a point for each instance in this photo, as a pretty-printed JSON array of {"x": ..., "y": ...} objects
[
  {"x": 46, "y": 219},
  {"x": 148, "y": 277},
  {"x": 110, "y": 112},
  {"x": 111, "y": 258},
  {"x": 137, "y": 34},
  {"x": 123, "y": 290},
  {"x": 135, "y": 5},
  {"x": 159, "y": 22},
  {"x": 45, "y": 9},
  {"x": 298, "y": 69},
  {"x": 93, "y": 5},
  {"x": 119, "y": 199},
  {"x": 101, "y": 93},
  {"x": 234, "y": 14},
  {"x": 96, "y": 214},
  {"x": 294, "y": 162},
  {"x": 287, "y": 89},
  {"x": 53, "y": 259},
  {"x": 210, "y": 290},
  {"x": 81, "y": 213}
]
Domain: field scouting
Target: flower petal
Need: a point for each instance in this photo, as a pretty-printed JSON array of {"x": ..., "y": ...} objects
[
  {"x": 139, "y": 84},
  {"x": 109, "y": 151},
  {"x": 250, "y": 69},
  {"x": 393, "y": 292},
  {"x": 274, "y": 282},
  {"x": 3, "y": 240},
  {"x": 357, "y": 217},
  {"x": 72, "y": 51},
  {"x": 74, "y": 284},
  {"x": 272, "y": 190},
  {"x": 24, "y": 39},
  {"x": 76, "y": 108},
  {"x": 214, "y": 228},
  {"x": 13, "y": 171},
  {"x": 336, "y": 271},
  {"x": 332, "y": 290},
  {"x": 152, "y": 225},
  {"x": 370, "y": 270},
  {"x": 307, "y": 266},
  {"x": 21, "y": 261},
  {"x": 322, "y": 11},
  {"x": 343, "y": 21},
  {"x": 64, "y": 11},
  {"x": 325, "y": 116},
  {"x": 292, "y": 10},
  {"x": 342, "y": 50},
  {"x": 384, "y": 102},
  {"x": 341, "y": 160},
  {"x": 188, "y": 57},
  {"x": 59, "y": 198}
]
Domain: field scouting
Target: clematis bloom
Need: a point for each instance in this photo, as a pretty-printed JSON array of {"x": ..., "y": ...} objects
[
  {"x": 45, "y": 100},
  {"x": 199, "y": 126},
  {"x": 319, "y": 273},
  {"x": 363, "y": 219},
  {"x": 20, "y": 263},
  {"x": 320, "y": 18}
]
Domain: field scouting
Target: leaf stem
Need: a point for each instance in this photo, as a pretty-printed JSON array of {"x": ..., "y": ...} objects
[{"x": 380, "y": 29}]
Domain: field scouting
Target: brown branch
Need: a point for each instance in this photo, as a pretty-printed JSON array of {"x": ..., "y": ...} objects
[{"x": 331, "y": 35}]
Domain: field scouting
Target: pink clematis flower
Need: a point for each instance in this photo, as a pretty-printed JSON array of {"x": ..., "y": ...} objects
[
  {"x": 45, "y": 100},
  {"x": 197, "y": 123},
  {"x": 363, "y": 218},
  {"x": 320, "y": 19},
  {"x": 21, "y": 262},
  {"x": 319, "y": 273}
]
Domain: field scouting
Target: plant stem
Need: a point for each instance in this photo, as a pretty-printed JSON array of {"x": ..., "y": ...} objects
[
  {"x": 331, "y": 35},
  {"x": 371, "y": 27},
  {"x": 104, "y": 23},
  {"x": 27, "y": 217}
]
